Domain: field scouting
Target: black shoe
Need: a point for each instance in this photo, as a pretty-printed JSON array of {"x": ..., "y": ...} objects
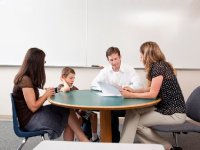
[
  {"x": 96, "y": 140},
  {"x": 176, "y": 148}
]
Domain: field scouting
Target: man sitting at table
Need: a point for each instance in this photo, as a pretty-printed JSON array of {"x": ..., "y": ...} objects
[{"x": 119, "y": 74}]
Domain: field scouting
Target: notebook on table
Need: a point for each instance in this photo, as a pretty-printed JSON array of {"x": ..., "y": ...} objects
[{"x": 109, "y": 90}]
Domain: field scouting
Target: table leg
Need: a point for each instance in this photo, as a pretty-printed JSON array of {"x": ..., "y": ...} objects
[{"x": 105, "y": 126}]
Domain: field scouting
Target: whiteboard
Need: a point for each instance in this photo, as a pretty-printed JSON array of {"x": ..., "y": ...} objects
[
  {"x": 55, "y": 26},
  {"x": 78, "y": 32},
  {"x": 126, "y": 24}
]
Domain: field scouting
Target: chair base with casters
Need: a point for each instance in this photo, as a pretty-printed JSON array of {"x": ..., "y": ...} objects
[
  {"x": 176, "y": 130},
  {"x": 20, "y": 132},
  {"x": 25, "y": 140},
  {"x": 192, "y": 111}
]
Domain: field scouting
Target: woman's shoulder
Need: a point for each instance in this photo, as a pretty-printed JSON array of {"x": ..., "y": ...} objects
[
  {"x": 160, "y": 64},
  {"x": 26, "y": 78},
  {"x": 158, "y": 68},
  {"x": 26, "y": 81}
]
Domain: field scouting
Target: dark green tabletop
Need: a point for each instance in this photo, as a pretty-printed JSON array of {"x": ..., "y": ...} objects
[{"x": 89, "y": 99}]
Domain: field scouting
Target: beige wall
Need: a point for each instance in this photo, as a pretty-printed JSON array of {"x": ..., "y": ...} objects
[{"x": 188, "y": 79}]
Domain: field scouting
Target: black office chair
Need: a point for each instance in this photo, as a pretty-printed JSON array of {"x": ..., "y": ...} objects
[
  {"x": 20, "y": 132},
  {"x": 192, "y": 111}
]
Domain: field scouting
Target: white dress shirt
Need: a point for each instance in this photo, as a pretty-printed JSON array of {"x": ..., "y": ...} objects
[{"x": 126, "y": 76}]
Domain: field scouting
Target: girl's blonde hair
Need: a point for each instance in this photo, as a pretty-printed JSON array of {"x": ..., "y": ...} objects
[{"x": 152, "y": 53}]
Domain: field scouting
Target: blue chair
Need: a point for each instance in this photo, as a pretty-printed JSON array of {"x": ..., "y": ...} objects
[
  {"x": 192, "y": 111},
  {"x": 20, "y": 132}
]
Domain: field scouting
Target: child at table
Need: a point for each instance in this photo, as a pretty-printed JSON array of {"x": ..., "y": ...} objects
[{"x": 67, "y": 78}]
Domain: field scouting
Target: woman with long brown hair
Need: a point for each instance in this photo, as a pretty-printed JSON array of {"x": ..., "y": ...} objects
[
  {"x": 31, "y": 113},
  {"x": 163, "y": 84}
]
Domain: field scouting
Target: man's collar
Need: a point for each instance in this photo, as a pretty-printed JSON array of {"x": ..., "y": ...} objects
[{"x": 121, "y": 69}]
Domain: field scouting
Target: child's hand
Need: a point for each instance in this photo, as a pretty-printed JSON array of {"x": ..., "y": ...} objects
[{"x": 66, "y": 87}]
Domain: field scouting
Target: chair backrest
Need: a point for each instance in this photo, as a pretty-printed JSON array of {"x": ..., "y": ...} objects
[
  {"x": 16, "y": 125},
  {"x": 193, "y": 105}
]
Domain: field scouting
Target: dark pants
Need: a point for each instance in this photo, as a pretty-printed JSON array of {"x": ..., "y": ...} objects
[
  {"x": 86, "y": 126},
  {"x": 115, "y": 114}
]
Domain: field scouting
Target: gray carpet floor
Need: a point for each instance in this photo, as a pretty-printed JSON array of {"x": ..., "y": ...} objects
[{"x": 9, "y": 141}]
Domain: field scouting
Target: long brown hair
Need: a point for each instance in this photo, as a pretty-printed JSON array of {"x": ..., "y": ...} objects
[
  {"x": 33, "y": 67},
  {"x": 152, "y": 53}
]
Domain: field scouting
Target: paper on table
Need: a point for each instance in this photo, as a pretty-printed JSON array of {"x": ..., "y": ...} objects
[{"x": 109, "y": 90}]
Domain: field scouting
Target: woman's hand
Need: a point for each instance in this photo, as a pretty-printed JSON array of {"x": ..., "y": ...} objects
[
  {"x": 127, "y": 88},
  {"x": 49, "y": 92},
  {"x": 126, "y": 94}
]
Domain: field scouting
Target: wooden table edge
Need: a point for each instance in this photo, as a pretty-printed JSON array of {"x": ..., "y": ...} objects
[{"x": 105, "y": 107}]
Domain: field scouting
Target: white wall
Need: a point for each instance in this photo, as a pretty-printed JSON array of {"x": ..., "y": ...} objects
[
  {"x": 188, "y": 79},
  {"x": 64, "y": 29}
]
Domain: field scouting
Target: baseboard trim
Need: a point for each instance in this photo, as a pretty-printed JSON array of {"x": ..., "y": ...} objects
[{"x": 5, "y": 117}]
